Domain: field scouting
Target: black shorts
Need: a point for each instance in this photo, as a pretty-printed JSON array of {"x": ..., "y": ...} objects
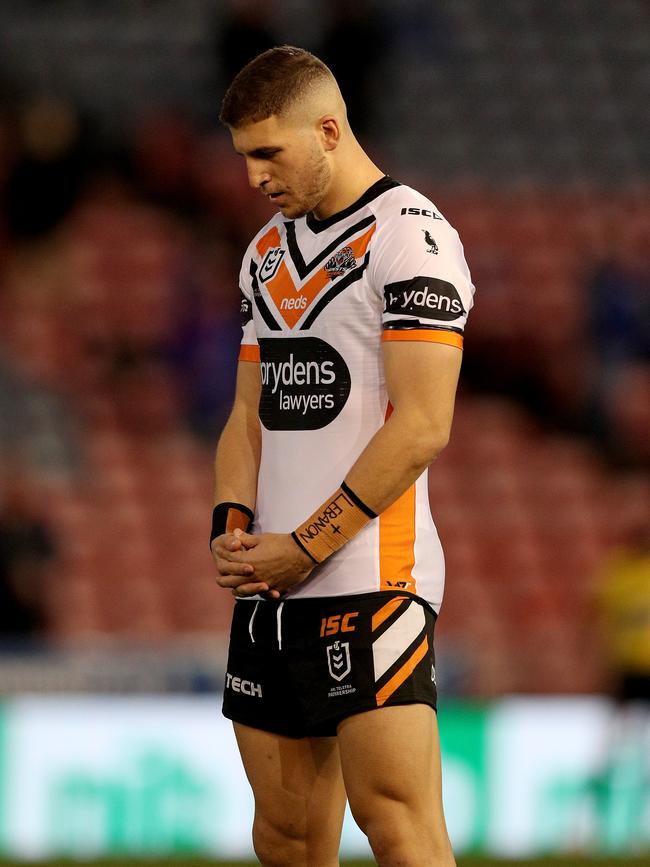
[{"x": 299, "y": 667}]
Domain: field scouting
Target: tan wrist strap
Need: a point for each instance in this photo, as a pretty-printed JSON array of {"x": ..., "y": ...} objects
[{"x": 333, "y": 524}]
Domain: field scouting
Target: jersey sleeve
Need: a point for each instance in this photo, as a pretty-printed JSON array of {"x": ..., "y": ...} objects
[
  {"x": 249, "y": 350},
  {"x": 419, "y": 270}
]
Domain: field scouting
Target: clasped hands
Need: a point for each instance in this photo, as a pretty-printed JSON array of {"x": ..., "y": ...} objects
[{"x": 266, "y": 563}]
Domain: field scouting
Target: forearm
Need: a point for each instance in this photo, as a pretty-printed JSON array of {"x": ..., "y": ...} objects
[
  {"x": 394, "y": 458},
  {"x": 238, "y": 459}
]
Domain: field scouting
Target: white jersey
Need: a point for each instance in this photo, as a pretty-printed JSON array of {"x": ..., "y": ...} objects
[{"x": 318, "y": 299}]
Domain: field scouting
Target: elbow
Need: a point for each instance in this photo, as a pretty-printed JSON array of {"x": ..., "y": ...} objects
[
  {"x": 430, "y": 444},
  {"x": 438, "y": 442}
]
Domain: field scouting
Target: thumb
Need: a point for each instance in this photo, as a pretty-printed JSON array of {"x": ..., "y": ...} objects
[{"x": 248, "y": 540}]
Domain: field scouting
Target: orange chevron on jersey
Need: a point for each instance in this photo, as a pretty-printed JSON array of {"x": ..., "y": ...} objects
[
  {"x": 293, "y": 299},
  {"x": 269, "y": 240}
]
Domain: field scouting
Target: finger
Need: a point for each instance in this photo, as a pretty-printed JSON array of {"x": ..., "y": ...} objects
[
  {"x": 222, "y": 545},
  {"x": 245, "y": 590},
  {"x": 228, "y": 541},
  {"x": 230, "y": 556},
  {"x": 229, "y": 567},
  {"x": 249, "y": 540},
  {"x": 272, "y": 594},
  {"x": 242, "y": 570},
  {"x": 231, "y": 582}
]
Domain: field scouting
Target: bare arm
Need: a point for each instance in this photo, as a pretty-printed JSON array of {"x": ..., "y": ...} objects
[
  {"x": 237, "y": 461},
  {"x": 421, "y": 379},
  {"x": 237, "y": 465}
]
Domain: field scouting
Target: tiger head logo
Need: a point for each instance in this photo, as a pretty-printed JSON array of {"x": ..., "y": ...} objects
[{"x": 341, "y": 261}]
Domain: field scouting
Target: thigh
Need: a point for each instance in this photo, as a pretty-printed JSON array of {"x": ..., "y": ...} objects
[
  {"x": 297, "y": 784},
  {"x": 391, "y": 756}
]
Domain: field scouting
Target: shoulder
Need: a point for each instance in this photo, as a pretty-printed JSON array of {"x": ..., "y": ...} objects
[
  {"x": 399, "y": 205},
  {"x": 410, "y": 226}
]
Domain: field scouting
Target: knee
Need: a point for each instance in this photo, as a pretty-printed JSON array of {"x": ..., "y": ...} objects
[
  {"x": 399, "y": 834},
  {"x": 278, "y": 842}
]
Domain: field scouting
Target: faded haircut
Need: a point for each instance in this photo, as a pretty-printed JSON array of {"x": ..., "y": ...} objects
[{"x": 270, "y": 84}]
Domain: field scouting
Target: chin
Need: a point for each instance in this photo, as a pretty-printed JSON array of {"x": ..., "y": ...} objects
[{"x": 295, "y": 212}]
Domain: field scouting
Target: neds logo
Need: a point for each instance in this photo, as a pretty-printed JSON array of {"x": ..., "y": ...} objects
[
  {"x": 428, "y": 297},
  {"x": 305, "y": 383}
]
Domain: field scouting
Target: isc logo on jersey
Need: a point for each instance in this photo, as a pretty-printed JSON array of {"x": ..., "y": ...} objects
[
  {"x": 428, "y": 297},
  {"x": 305, "y": 383}
]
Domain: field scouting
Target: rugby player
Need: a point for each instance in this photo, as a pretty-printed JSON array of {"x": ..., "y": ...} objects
[{"x": 354, "y": 300}]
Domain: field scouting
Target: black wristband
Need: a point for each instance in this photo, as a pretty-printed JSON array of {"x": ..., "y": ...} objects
[{"x": 228, "y": 516}]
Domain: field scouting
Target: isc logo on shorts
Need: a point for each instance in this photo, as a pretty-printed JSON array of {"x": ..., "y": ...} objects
[
  {"x": 247, "y": 687},
  {"x": 338, "y": 622}
]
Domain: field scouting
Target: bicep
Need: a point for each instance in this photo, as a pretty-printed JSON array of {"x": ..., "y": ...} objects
[{"x": 421, "y": 378}]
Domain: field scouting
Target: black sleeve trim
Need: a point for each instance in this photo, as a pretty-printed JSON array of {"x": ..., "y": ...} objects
[{"x": 417, "y": 324}]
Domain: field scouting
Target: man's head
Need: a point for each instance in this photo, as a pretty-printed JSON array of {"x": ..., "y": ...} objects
[{"x": 287, "y": 118}]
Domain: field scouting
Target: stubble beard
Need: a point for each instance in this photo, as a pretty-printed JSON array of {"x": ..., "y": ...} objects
[{"x": 313, "y": 182}]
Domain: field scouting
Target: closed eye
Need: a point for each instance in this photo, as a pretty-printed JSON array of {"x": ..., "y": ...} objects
[{"x": 264, "y": 153}]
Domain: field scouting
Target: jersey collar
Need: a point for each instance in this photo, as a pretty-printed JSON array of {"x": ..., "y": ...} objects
[{"x": 379, "y": 187}]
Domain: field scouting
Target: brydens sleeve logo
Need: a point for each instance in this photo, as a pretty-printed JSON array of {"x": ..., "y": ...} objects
[
  {"x": 305, "y": 383},
  {"x": 426, "y": 297}
]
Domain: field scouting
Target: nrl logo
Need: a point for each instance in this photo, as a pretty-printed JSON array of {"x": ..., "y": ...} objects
[
  {"x": 271, "y": 263},
  {"x": 338, "y": 659},
  {"x": 341, "y": 262}
]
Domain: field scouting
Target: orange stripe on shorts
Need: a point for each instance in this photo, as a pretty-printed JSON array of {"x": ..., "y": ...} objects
[
  {"x": 385, "y": 612},
  {"x": 400, "y": 676}
]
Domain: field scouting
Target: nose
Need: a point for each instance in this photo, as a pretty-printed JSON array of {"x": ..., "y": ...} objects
[{"x": 257, "y": 175}]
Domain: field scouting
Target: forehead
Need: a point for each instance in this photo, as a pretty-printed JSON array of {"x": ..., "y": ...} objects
[{"x": 271, "y": 132}]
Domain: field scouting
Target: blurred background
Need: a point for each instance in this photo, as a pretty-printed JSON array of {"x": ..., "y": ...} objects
[{"x": 124, "y": 215}]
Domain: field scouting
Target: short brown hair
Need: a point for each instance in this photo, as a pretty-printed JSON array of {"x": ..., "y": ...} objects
[{"x": 270, "y": 84}]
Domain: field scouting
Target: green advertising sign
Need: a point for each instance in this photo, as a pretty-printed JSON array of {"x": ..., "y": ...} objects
[
  {"x": 3, "y": 772},
  {"x": 108, "y": 776},
  {"x": 151, "y": 802},
  {"x": 464, "y": 744}
]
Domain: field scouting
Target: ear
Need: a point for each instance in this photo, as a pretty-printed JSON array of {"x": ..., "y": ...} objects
[{"x": 330, "y": 132}]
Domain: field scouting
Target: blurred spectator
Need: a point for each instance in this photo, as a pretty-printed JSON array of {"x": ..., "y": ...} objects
[
  {"x": 162, "y": 161},
  {"x": 353, "y": 46},
  {"x": 243, "y": 34},
  {"x": 37, "y": 426},
  {"x": 26, "y": 549},
  {"x": 204, "y": 347},
  {"x": 619, "y": 331},
  {"x": 624, "y": 601},
  {"x": 48, "y": 170}
]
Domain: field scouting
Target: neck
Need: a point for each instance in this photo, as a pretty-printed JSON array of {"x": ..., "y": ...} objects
[{"x": 351, "y": 179}]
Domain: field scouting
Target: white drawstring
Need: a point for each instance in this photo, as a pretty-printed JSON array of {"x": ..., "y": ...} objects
[
  {"x": 279, "y": 616},
  {"x": 250, "y": 622}
]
